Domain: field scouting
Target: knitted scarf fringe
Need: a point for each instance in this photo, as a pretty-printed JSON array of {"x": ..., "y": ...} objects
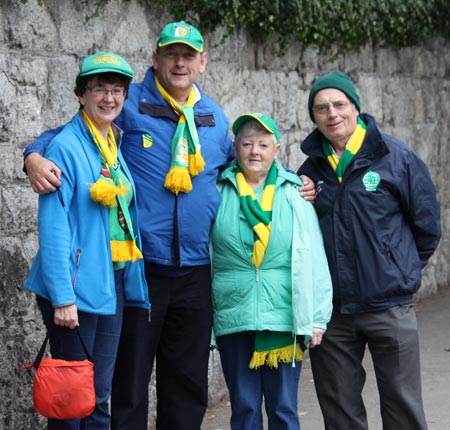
[
  {"x": 178, "y": 179},
  {"x": 196, "y": 163},
  {"x": 272, "y": 357},
  {"x": 105, "y": 192},
  {"x": 125, "y": 250}
]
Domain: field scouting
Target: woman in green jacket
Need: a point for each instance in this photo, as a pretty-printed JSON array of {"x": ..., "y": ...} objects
[{"x": 271, "y": 284}]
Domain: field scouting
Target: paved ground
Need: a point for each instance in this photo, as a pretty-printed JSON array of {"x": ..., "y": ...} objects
[{"x": 434, "y": 325}]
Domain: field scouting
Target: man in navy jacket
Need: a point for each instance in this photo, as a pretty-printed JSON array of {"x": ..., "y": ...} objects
[{"x": 380, "y": 219}]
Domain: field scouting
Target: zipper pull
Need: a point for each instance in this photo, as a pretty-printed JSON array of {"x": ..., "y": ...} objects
[
  {"x": 77, "y": 265},
  {"x": 257, "y": 275},
  {"x": 388, "y": 252}
]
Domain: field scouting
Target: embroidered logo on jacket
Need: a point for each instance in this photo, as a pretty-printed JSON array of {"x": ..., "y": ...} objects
[
  {"x": 371, "y": 180},
  {"x": 147, "y": 140}
]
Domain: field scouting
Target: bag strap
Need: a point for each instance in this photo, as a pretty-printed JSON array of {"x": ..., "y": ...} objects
[{"x": 40, "y": 354}]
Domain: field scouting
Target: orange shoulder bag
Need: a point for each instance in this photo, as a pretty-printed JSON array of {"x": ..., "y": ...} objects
[{"x": 63, "y": 389}]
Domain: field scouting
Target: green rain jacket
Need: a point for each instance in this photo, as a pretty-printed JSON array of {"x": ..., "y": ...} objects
[{"x": 291, "y": 291}]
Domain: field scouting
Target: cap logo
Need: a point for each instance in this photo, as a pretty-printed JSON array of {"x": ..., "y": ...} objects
[
  {"x": 182, "y": 31},
  {"x": 107, "y": 59}
]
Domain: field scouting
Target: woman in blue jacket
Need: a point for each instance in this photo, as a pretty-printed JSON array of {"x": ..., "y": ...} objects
[
  {"x": 89, "y": 262},
  {"x": 271, "y": 285}
]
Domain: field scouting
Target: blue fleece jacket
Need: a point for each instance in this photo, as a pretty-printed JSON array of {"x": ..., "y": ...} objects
[{"x": 73, "y": 264}]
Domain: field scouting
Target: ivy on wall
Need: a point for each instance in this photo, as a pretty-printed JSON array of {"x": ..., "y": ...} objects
[{"x": 333, "y": 26}]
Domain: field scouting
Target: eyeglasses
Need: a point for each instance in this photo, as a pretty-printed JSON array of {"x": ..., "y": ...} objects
[
  {"x": 102, "y": 92},
  {"x": 325, "y": 109}
]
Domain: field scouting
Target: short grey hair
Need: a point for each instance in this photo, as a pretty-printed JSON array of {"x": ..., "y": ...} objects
[{"x": 253, "y": 127}]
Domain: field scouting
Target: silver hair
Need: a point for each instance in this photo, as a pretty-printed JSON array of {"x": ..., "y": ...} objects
[{"x": 253, "y": 127}]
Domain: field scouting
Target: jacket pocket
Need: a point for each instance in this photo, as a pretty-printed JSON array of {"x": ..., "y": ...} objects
[{"x": 394, "y": 258}]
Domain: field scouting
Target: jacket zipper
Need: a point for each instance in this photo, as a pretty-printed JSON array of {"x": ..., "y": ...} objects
[{"x": 176, "y": 239}]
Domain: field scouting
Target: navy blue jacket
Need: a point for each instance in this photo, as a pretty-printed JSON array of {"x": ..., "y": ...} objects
[{"x": 380, "y": 225}]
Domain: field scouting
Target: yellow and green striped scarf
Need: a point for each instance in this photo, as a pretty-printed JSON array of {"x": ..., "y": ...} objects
[
  {"x": 109, "y": 191},
  {"x": 271, "y": 347},
  {"x": 341, "y": 163},
  {"x": 187, "y": 159},
  {"x": 259, "y": 215}
]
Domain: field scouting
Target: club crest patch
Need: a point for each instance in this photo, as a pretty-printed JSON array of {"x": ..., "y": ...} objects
[
  {"x": 371, "y": 180},
  {"x": 147, "y": 140}
]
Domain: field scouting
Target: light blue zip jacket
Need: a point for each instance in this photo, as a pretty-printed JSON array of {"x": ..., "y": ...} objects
[
  {"x": 245, "y": 299},
  {"x": 73, "y": 264}
]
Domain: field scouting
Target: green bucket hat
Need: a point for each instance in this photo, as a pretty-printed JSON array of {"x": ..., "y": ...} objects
[
  {"x": 268, "y": 123},
  {"x": 337, "y": 80},
  {"x": 181, "y": 32},
  {"x": 104, "y": 62}
]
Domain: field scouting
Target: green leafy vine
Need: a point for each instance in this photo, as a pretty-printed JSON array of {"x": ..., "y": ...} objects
[{"x": 333, "y": 26}]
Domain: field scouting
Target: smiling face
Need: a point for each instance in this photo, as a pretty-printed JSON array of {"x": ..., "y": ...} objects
[
  {"x": 102, "y": 108},
  {"x": 255, "y": 150},
  {"x": 177, "y": 67},
  {"x": 335, "y": 116}
]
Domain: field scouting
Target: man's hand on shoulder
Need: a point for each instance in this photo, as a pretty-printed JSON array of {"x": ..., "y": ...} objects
[
  {"x": 308, "y": 191},
  {"x": 44, "y": 176}
]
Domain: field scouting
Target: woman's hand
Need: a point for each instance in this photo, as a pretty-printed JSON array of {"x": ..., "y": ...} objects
[
  {"x": 66, "y": 316},
  {"x": 317, "y": 336},
  {"x": 308, "y": 191}
]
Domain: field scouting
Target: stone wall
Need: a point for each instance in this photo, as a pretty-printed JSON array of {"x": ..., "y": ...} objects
[{"x": 40, "y": 49}]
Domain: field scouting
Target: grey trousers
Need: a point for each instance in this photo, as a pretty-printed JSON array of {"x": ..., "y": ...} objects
[{"x": 339, "y": 376}]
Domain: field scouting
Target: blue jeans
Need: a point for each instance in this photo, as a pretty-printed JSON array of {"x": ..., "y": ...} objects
[
  {"x": 248, "y": 387},
  {"x": 101, "y": 335}
]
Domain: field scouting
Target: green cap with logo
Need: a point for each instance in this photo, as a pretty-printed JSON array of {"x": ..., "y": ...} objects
[
  {"x": 268, "y": 123},
  {"x": 104, "y": 62},
  {"x": 181, "y": 32}
]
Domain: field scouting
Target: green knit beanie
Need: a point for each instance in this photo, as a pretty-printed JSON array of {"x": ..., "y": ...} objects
[{"x": 337, "y": 80}]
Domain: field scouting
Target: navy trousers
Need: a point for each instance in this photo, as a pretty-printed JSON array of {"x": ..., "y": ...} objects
[
  {"x": 101, "y": 335},
  {"x": 178, "y": 336},
  {"x": 248, "y": 387}
]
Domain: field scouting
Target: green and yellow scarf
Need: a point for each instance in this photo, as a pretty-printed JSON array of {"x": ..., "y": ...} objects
[
  {"x": 271, "y": 347},
  {"x": 109, "y": 191},
  {"x": 187, "y": 159},
  {"x": 258, "y": 215},
  {"x": 340, "y": 164}
]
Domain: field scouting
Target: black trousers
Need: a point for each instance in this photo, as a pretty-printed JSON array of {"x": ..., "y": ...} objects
[{"x": 178, "y": 336}]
